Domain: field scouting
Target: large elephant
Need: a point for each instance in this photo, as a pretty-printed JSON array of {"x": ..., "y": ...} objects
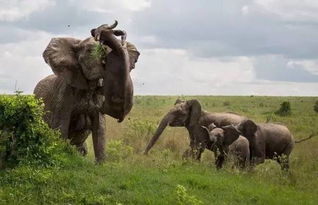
[
  {"x": 227, "y": 140},
  {"x": 269, "y": 141},
  {"x": 189, "y": 114},
  {"x": 86, "y": 86}
]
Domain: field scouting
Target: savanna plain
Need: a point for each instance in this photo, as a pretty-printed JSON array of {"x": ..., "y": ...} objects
[{"x": 162, "y": 177}]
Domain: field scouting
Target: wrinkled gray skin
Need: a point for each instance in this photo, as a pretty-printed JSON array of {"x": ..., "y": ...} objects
[
  {"x": 189, "y": 114},
  {"x": 84, "y": 87},
  {"x": 240, "y": 149},
  {"x": 270, "y": 141},
  {"x": 228, "y": 141},
  {"x": 118, "y": 87}
]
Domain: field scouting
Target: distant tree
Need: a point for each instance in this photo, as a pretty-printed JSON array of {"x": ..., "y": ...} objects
[
  {"x": 316, "y": 106},
  {"x": 284, "y": 109}
]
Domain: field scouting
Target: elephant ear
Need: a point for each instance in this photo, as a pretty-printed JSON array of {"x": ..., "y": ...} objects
[
  {"x": 231, "y": 133},
  {"x": 133, "y": 55},
  {"x": 60, "y": 54},
  {"x": 247, "y": 128},
  {"x": 195, "y": 112}
]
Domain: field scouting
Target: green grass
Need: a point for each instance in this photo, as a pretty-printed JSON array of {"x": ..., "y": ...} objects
[{"x": 159, "y": 178}]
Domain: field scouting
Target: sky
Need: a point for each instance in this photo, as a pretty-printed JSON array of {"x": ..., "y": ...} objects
[{"x": 202, "y": 47}]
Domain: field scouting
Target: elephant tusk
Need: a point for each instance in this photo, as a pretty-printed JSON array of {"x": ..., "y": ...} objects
[
  {"x": 97, "y": 38},
  {"x": 113, "y": 25}
]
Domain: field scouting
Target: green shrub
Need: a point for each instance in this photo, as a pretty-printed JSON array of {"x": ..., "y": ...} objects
[
  {"x": 138, "y": 132},
  {"x": 316, "y": 106},
  {"x": 183, "y": 198},
  {"x": 24, "y": 136},
  {"x": 116, "y": 150},
  {"x": 284, "y": 109}
]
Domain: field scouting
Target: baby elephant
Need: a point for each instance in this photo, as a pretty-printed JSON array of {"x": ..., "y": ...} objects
[{"x": 227, "y": 140}]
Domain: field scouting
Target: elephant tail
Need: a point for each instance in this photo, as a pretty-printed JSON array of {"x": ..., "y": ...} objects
[{"x": 305, "y": 139}]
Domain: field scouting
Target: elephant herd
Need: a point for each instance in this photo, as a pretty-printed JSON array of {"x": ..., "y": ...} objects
[
  {"x": 92, "y": 78},
  {"x": 228, "y": 133}
]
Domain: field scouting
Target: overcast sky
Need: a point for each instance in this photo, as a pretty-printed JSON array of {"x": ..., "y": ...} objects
[{"x": 201, "y": 47}]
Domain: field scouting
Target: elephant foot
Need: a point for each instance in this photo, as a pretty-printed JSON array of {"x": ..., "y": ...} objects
[
  {"x": 284, "y": 165},
  {"x": 82, "y": 149},
  {"x": 193, "y": 154},
  {"x": 186, "y": 155},
  {"x": 219, "y": 162},
  {"x": 100, "y": 160}
]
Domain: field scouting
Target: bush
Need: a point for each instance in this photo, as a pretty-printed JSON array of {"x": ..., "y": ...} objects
[
  {"x": 284, "y": 109},
  {"x": 316, "y": 106},
  {"x": 138, "y": 132},
  {"x": 116, "y": 150},
  {"x": 183, "y": 198},
  {"x": 24, "y": 136}
]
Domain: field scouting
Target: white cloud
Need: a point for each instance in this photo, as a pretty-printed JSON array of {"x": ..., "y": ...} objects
[
  {"x": 113, "y": 6},
  {"x": 174, "y": 71},
  {"x": 269, "y": 88},
  {"x": 136, "y": 5},
  {"x": 309, "y": 65},
  {"x": 13, "y": 10},
  {"x": 290, "y": 10},
  {"x": 245, "y": 10},
  {"x": 22, "y": 63}
]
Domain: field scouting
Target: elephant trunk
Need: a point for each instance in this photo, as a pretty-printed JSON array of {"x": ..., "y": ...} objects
[
  {"x": 119, "y": 67},
  {"x": 124, "y": 73},
  {"x": 163, "y": 124},
  {"x": 113, "y": 43}
]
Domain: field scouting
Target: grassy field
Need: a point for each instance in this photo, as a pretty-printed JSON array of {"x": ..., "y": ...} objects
[{"x": 128, "y": 177}]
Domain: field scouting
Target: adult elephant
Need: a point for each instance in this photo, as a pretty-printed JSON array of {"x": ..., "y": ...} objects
[
  {"x": 189, "y": 114},
  {"x": 270, "y": 141},
  {"x": 86, "y": 85}
]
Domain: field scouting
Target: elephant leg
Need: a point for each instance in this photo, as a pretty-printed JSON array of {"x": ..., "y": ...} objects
[
  {"x": 257, "y": 156},
  {"x": 194, "y": 153},
  {"x": 221, "y": 157},
  {"x": 82, "y": 149},
  {"x": 62, "y": 122},
  {"x": 196, "y": 149},
  {"x": 78, "y": 139},
  {"x": 61, "y": 115},
  {"x": 198, "y": 153},
  {"x": 257, "y": 160},
  {"x": 285, "y": 165},
  {"x": 64, "y": 127},
  {"x": 284, "y": 158},
  {"x": 98, "y": 134},
  {"x": 186, "y": 154},
  {"x": 219, "y": 161},
  {"x": 283, "y": 161},
  {"x": 241, "y": 162}
]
